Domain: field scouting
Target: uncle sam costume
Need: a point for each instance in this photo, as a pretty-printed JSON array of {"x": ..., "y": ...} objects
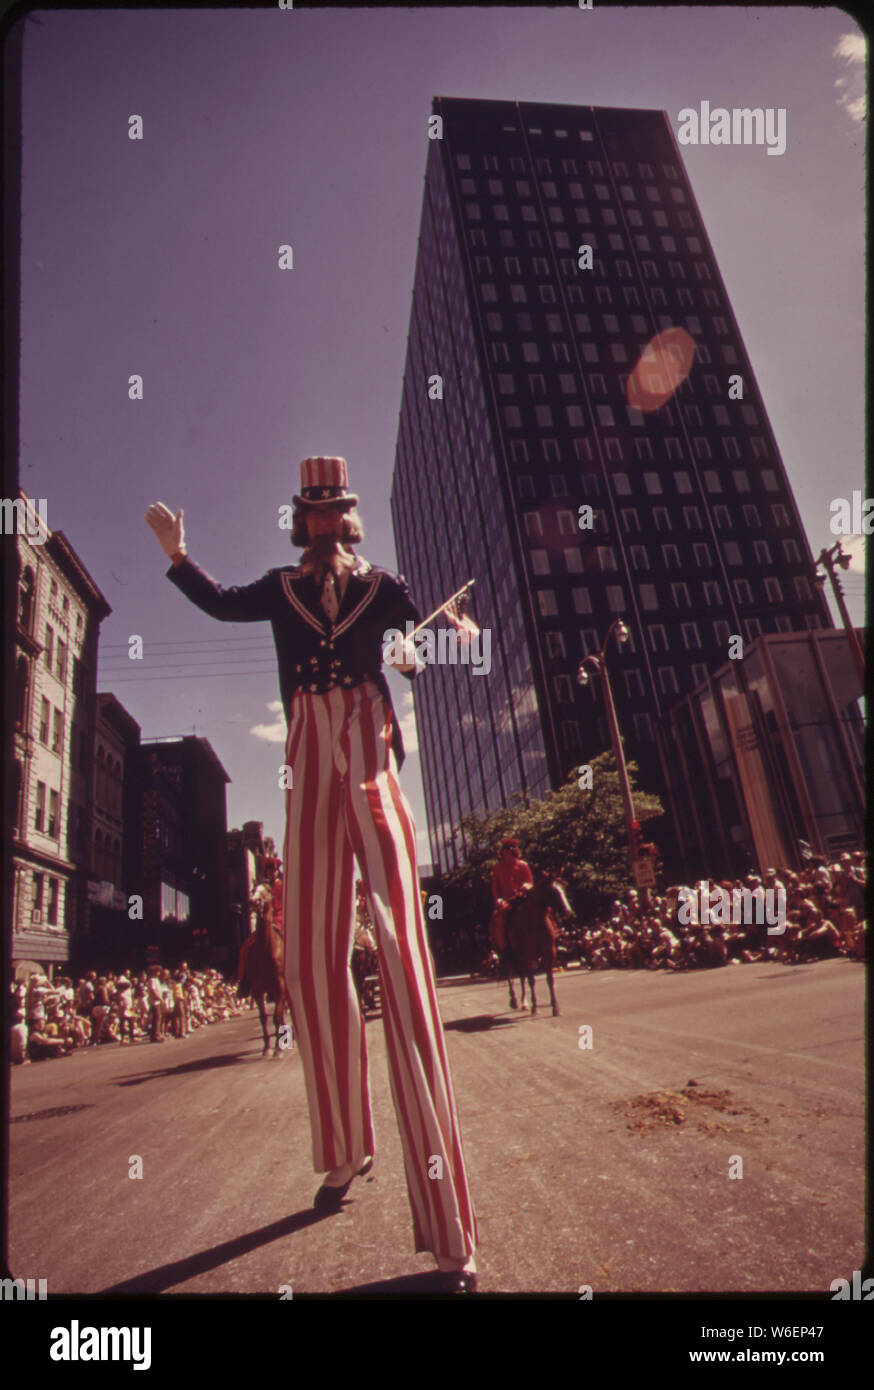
[{"x": 345, "y": 803}]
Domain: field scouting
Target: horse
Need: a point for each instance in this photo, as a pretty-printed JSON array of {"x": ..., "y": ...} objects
[
  {"x": 261, "y": 971},
  {"x": 531, "y": 938}
]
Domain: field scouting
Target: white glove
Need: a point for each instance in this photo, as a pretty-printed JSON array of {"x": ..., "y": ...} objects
[
  {"x": 169, "y": 529},
  {"x": 411, "y": 659}
]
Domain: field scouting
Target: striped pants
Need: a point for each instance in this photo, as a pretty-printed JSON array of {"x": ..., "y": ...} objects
[{"x": 345, "y": 803}]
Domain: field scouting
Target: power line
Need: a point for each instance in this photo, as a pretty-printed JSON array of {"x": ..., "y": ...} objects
[
  {"x": 169, "y": 666},
  {"x": 187, "y": 676},
  {"x": 195, "y": 642}
]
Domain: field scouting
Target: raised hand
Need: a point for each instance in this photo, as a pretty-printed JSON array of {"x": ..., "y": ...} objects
[{"x": 169, "y": 529}]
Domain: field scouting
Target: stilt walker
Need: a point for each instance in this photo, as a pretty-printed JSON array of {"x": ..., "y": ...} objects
[{"x": 330, "y": 616}]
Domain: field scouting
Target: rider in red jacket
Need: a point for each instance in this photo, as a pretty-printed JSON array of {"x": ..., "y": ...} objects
[{"x": 510, "y": 877}]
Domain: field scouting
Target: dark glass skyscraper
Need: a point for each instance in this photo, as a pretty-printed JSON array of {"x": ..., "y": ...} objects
[{"x": 515, "y": 414}]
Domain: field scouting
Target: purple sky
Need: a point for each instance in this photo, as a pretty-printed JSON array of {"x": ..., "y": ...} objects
[{"x": 159, "y": 257}]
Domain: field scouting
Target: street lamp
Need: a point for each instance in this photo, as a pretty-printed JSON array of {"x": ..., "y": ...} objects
[
  {"x": 599, "y": 662},
  {"x": 828, "y": 559}
]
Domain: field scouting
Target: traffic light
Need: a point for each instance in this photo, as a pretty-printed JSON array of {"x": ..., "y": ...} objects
[{"x": 635, "y": 840}]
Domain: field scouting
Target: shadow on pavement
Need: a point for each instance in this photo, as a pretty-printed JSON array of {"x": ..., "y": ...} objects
[
  {"x": 412, "y": 1284},
  {"x": 202, "y": 1064},
  {"x": 478, "y": 1024},
  {"x": 166, "y": 1276}
]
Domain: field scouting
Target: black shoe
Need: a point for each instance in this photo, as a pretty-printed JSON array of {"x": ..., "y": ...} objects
[
  {"x": 452, "y": 1281},
  {"x": 329, "y": 1199}
]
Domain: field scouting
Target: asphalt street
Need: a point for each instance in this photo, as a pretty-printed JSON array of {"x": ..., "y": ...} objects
[{"x": 606, "y": 1166}]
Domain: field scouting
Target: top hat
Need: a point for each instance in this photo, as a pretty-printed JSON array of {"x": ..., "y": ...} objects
[{"x": 323, "y": 484}]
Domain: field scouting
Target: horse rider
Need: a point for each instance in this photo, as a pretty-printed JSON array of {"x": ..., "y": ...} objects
[
  {"x": 331, "y": 615},
  {"x": 511, "y": 877}
]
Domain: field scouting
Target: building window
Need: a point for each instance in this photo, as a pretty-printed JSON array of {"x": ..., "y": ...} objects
[
  {"x": 658, "y": 641},
  {"x": 802, "y": 587},
  {"x": 558, "y": 485},
  {"x": 683, "y": 482},
  {"x": 751, "y": 515},
  {"x": 621, "y": 485},
  {"x": 606, "y": 558},
  {"x": 722, "y": 518},
  {"x": 630, "y": 519},
  {"x": 38, "y": 885},
  {"x": 512, "y": 417},
  {"x": 642, "y": 728},
  {"x": 533, "y": 524},
  {"x": 633, "y": 684},
  {"x": 712, "y": 593},
  {"x": 774, "y": 589},
  {"x": 40, "y": 811},
  {"x": 780, "y": 514},
  {"x": 567, "y": 525},
  {"x": 790, "y": 552},
  {"x": 680, "y": 595},
  {"x": 661, "y": 519},
  {"x": 52, "y": 827},
  {"x": 57, "y": 731},
  {"x": 525, "y": 485},
  {"x": 44, "y": 721},
  {"x": 582, "y": 601},
  {"x": 555, "y": 645},
  {"x": 731, "y": 551},
  {"x": 639, "y": 557},
  {"x": 668, "y": 680},
  {"x": 742, "y": 591},
  {"x": 564, "y": 694},
  {"x": 49, "y": 648},
  {"x": 711, "y": 481},
  {"x": 671, "y": 557},
  {"x": 615, "y": 598},
  {"x": 691, "y": 639},
  {"x": 762, "y": 551},
  {"x": 648, "y": 597},
  {"x": 573, "y": 559},
  {"x": 53, "y": 903},
  {"x": 691, "y": 518},
  {"x": 548, "y": 605},
  {"x": 539, "y": 562}
]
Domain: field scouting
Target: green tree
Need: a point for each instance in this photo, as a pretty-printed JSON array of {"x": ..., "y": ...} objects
[{"x": 576, "y": 835}]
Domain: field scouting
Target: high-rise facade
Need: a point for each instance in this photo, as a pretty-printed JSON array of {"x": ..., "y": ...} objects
[
  {"x": 59, "y": 612},
  {"x": 515, "y": 415}
]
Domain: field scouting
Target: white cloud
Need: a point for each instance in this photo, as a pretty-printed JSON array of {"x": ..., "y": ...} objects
[
  {"x": 852, "y": 49},
  {"x": 854, "y": 546},
  {"x": 407, "y": 721},
  {"x": 275, "y": 732}
]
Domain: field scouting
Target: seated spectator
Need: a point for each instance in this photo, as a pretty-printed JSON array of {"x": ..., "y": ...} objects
[{"x": 18, "y": 1040}]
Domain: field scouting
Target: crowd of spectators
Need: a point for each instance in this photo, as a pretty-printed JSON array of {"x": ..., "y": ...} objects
[
  {"x": 824, "y": 916},
  {"x": 53, "y": 1019}
]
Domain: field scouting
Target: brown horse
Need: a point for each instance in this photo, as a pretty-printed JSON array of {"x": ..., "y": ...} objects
[
  {"x": 531, "y": 937},
  {"x": 261, "y": 971}
]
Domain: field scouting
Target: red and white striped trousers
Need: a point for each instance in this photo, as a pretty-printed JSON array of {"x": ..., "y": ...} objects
[{"x": 345, "y": 803}]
